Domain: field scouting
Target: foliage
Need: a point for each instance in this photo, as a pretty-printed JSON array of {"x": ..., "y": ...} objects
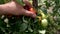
[{"x": 46, "y": 22}]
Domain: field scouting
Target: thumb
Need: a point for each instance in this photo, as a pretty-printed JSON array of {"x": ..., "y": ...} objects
[{"x": 31, "y": 14}]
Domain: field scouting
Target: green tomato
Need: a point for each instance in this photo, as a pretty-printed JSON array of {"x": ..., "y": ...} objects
[
  {"x": 44, "y": 22},
  {"x": 43, "y": 15}
]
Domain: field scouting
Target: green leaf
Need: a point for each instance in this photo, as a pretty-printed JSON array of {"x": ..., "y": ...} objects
[
  {"x": 20, "y": 2},
  {"x": 23, "y": 26},
  {"x": 1, "y": 1}
]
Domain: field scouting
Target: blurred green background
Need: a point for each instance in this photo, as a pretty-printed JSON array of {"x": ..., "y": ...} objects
[{"x": 49, "y": 10}]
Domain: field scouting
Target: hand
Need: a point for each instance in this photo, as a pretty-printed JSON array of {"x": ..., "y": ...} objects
[{"x": 16, "y": 9}]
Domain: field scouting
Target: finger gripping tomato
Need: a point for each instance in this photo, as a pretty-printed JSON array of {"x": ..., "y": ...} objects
[{"x": 30, "y": 9}]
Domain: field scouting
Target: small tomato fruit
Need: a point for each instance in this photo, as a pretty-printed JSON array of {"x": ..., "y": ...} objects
[{"x": 44, "y": 22}]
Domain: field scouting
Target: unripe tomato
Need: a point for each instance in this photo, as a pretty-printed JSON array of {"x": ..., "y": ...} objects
[
  {"x": 43, "y": 15},
  {"x": 44, "y": 22}
]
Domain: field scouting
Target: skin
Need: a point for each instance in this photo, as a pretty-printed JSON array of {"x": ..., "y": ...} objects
[{"x": 15, "y": 8}]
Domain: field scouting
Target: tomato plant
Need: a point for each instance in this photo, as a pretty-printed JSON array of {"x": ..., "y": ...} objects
[{"x": 47, "y": 20}]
